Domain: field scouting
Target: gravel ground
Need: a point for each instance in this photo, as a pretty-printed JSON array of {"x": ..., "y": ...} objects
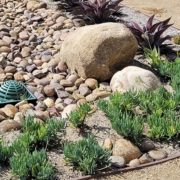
[
  {"x": 166, "y": 171},
  {"x": 132, "y": 15},
  {"x": 162, "y": 8}
]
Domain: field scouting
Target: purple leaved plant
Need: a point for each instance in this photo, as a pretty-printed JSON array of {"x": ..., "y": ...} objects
[
  {"x": 99, "y": 11},
  {"x": 151, "y": 35}
]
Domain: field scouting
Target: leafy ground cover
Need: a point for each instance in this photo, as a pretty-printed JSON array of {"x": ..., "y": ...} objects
[{"x": 158, "y": 110}]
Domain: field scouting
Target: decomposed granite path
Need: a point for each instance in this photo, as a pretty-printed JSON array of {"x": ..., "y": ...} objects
[
  {"x": 166, "y": 171},
  {"x": 162, "y": 8}
]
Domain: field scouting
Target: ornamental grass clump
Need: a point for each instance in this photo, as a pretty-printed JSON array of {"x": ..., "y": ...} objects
[
  {"x": 33, "y": 165},
  {"x": 151, "y": 34},
  {"x": 99, "y": 11},
  {"x": 86, "y": 155}
]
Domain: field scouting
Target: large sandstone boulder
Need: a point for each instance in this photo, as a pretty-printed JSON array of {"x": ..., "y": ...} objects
[
  {"x": 135, "y": 79},
  {"x": 98, "y": 51}
]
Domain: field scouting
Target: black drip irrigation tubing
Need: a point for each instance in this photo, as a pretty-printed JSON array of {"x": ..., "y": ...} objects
[{"x": 123, "y": 170}]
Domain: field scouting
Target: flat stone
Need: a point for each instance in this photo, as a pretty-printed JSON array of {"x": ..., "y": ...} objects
[
  {"x": 5, "y": 49},
  {"x": 62, "y": 94},
  {"x": 157, "y": 154},
  {"x": 68, "y": 101},
  {"x": 10, "y": 69},
  {"x": 71, "y": 89},
  {"x": 38, "y": 74},
  {"x": 31, "y": 68},
  {"x": 66, "y": 83}
]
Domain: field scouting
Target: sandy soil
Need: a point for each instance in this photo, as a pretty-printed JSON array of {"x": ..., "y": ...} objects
[
  {"x": 162, "y": 8},
  {"x": 166, "y": 171}
]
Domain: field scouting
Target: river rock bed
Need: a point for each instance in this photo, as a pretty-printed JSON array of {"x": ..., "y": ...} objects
[{"x": 31, "y": 35}]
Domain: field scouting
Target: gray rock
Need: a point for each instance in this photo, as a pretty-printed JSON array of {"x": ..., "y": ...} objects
[
  {"x": 84, "y": 90},
  {"x": 38, "y": 74},
  {"x": 117, "y": 161},
  {"x": 157, "y": 154},
  {"x": 147, "y": 145}
]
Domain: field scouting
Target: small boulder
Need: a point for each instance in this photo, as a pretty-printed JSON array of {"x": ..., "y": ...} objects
[
  {"x": 135, "y": 79},
  {"x": 126, "y": 149}
]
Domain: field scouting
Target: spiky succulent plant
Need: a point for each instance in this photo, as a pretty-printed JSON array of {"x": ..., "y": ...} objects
[
  {"x": 99, "y": 11},
  {"x": 151, "y": 35}
]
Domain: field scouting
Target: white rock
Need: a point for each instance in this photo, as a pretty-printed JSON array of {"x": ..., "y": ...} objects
[{"x": 135, "y": 79}]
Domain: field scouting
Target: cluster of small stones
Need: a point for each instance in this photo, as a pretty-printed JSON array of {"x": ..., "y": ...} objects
[
  {"x": 124, "y": 153},
  {"x": 30, "y": 38}
]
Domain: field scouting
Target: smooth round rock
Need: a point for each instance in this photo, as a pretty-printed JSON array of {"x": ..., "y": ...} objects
[
  {"x": 117, "y": 161},
  {"x": 134, "y": 163},
  {"x": 157, "y": 154}
]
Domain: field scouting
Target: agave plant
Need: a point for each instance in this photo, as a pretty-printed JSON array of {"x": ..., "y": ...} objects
[
  {"x": 99, "y": 11},
  {"x": 151, "y": 35}
]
